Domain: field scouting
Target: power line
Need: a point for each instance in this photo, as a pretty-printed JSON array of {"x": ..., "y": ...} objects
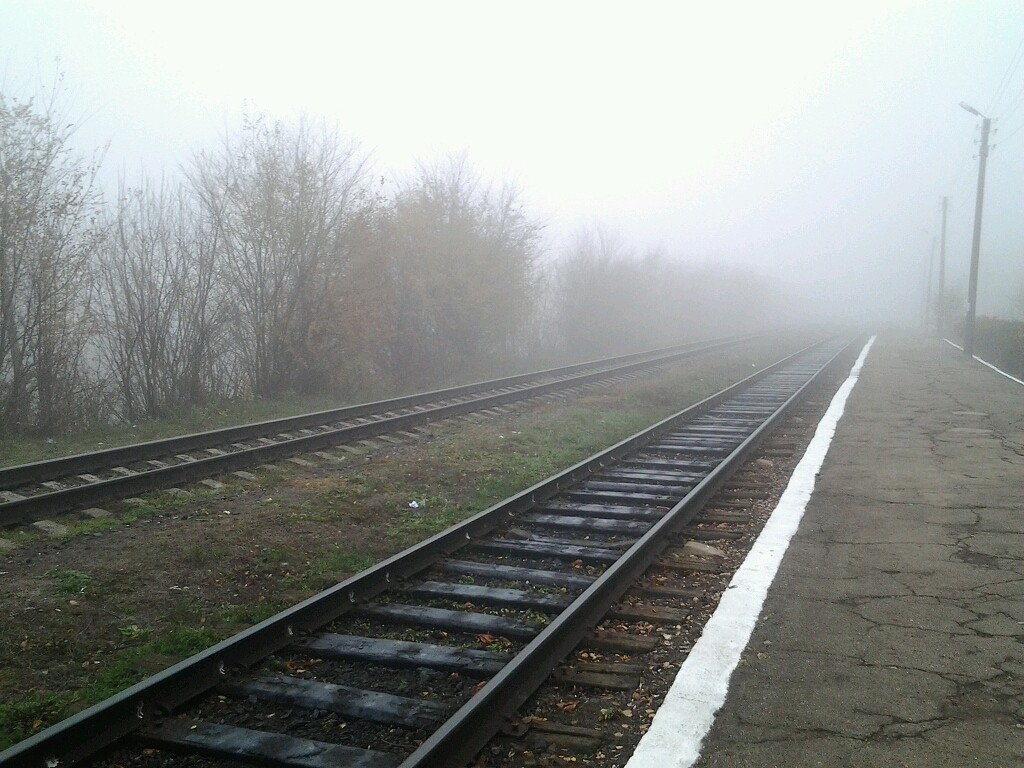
[
  {"x": 1011, "y": 69},
  {"x": 1013, "y": 133},
  {"x": 1015, "y": 104}
]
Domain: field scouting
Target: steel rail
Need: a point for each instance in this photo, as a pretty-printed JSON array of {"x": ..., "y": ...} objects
[
  {"x": 76, "y": 497},
  {"x": 97, "y": 728},
  {"x": 23, "y": 474},
  {"x": 469, "y": 729}
]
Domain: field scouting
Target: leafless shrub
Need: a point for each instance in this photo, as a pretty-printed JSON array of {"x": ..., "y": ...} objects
[
  {"x": 49, "y": 230},
  {"x": 161, "y": 310},
  {"x": 280, "y": 200}
]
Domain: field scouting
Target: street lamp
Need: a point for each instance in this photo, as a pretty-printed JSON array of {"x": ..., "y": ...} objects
[{"x": 972, "y": 289}]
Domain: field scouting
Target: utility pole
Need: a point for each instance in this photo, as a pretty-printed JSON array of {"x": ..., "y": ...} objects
[
  {"x": 972, "y": 288},
  {"x": 940, "y": 306},
  {"x": 929, "y": 302}
]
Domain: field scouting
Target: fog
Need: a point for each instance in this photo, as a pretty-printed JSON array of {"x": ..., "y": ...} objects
[{"x": 764, "y": 163}]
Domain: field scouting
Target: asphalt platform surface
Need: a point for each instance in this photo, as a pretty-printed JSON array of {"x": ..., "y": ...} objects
[{"x": 893, "y": 634}]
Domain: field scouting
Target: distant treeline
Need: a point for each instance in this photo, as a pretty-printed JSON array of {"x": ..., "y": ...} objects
[{"x": 279, "y": 262}]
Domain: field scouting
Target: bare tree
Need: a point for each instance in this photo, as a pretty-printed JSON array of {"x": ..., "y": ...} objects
[
  {"x": 159, "y": 304},
  {"x": 49, "y": 231},
  {"x": 281, "y": 200},
  {"x": 462, "y": 266}
]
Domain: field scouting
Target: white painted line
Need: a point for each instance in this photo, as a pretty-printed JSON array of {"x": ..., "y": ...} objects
[
  {"x": 699, "y": 689},
  {"x": 986, "y": 362},
  {"x": 1000, "y": 372}
]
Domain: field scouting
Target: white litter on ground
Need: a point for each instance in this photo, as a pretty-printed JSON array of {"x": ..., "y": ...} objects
[{"x": 702, "y": 682}]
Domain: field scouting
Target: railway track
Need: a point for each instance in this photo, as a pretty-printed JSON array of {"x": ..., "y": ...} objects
[
  {"x": 30, "y": 492},
  {"x": 421, "y": 659}
]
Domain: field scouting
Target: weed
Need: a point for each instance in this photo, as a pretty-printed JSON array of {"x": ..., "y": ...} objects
[
  {"x": 69, "y": 583},
  {"x": 274, "y": 664},
  {"x": 132, "y": 632},
  {"x": 538, "y": 618}
]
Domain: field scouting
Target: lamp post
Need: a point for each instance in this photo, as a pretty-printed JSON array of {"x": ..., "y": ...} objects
[{"x": 972, "y": 288}]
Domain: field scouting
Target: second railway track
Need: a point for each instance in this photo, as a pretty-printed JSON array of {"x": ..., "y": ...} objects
[
  {"x": 480, "y": 613},
  {"x": 43, "y": 489}
]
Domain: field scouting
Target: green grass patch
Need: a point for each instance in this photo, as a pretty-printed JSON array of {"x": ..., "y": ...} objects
[
  {"x": 24, "y": 716},
  {"x": 345, "y": 562},
  {"x": 69, "y": 583},
  {"x": 184, "y": 641},
  {"x": 247, "y": 615},
  {"x": 414, "y": 525},
  {"x": 30, "y": 714},
  {"x": 327, "y": 570}
]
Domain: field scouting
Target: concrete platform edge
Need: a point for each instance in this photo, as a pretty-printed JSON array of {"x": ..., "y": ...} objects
[{"x": 701, "y": 685}]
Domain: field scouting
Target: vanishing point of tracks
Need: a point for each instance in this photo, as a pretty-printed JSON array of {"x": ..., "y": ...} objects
[
  {"x": 426, "y": 655},
  {"x": 46, "y": 488}
]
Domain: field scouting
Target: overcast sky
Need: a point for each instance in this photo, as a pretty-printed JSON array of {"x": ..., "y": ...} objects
[{"x": 813, "y": 139}]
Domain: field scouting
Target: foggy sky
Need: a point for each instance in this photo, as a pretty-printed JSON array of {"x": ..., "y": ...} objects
[{"x": 810, "y": 139}]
